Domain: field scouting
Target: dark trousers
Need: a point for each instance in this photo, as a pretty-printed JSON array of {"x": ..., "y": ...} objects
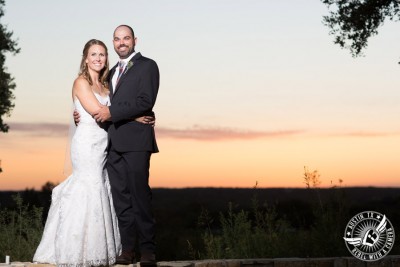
[{"x": 129, "y": 179}]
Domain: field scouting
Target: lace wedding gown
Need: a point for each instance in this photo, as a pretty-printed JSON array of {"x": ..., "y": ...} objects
[{"x": 81, "y": 227}]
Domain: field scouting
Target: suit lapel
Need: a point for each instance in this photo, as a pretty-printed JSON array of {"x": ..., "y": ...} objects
[{"x": 129, "y": 66}]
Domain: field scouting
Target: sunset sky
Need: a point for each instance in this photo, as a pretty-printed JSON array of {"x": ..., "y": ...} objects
[{"x": 251, "y": 92}]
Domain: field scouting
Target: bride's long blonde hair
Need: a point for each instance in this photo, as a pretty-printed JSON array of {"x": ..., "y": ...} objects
[{"x": 103, "y": 77}]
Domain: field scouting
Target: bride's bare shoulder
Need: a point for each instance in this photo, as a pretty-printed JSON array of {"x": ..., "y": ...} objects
[
  {"x": 80, "y": 84},
  {"x": 81, "y": 81}
]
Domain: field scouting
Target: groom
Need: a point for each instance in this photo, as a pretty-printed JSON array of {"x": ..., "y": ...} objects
[{"x": 134, "y": 83}]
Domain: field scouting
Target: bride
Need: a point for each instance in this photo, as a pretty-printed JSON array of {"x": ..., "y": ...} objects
[{"x": 81, "y": 227}]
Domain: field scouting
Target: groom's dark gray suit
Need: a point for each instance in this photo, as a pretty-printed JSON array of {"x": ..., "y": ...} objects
[{"x": 131, "y": 144}]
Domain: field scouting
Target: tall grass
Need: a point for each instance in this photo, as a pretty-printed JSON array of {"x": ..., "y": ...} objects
[
  {"x": 243, "y": 234},
  {"x": 20, "y": 230},
  {"x": 262, "y": 233}
]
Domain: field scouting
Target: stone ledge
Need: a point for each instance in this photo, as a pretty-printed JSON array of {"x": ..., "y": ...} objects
[{"x": 388, "y": 261}]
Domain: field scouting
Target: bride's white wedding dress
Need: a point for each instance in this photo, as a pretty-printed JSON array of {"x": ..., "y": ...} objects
[{"x": 81, "y": 227}]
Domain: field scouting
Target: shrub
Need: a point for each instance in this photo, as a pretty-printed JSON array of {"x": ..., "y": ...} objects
[
  {"x": 20, "y": 230},
  {"x": 245, "y": 234},
  {"x": 263, "y": 233}
]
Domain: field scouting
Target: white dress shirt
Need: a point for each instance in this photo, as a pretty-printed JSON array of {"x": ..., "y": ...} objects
[{"x": 116, "y": 73}]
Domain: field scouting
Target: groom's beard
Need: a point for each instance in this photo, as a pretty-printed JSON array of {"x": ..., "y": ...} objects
[{"x": 124, "y": 54}]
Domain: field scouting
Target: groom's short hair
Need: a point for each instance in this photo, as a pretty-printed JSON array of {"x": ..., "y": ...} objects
[{"x": 129, "y": 27}]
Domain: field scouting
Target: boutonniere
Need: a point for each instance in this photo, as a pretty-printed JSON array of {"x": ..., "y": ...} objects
[{"x": 130, "y": 64}]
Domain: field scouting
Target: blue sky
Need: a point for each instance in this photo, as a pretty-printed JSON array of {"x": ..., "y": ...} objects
[
  {"x": 229, "y": 69},
  {"x": 265, "y": 65}
]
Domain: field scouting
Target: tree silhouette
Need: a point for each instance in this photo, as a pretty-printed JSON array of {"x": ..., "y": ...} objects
[
  {"x": 353, "y": 22},
  {"x": 48, "y": 187},
  {"x": 7, "y": 44}
]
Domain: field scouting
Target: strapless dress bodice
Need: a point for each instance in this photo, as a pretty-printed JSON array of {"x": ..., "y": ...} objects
[{"x": 85, "y": 117}]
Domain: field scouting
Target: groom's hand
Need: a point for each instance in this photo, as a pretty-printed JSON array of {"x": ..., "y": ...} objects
[
  {"x": 147, "y": 120},
  {"x": 102, "y": 115},
  {"x": 77, "y": 117}
]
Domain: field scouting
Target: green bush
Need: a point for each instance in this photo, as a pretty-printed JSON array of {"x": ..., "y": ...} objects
[
  {"x": 262, "y": 233},
  {"x": 243, "y": 234},
  {"x": 20, "y": 230}
]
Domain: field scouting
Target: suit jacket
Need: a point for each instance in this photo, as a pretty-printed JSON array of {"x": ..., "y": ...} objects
[{"x": 134, "y": 96}]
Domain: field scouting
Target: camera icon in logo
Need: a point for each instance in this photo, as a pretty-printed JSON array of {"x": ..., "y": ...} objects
[{"x": 371, "y": 237}]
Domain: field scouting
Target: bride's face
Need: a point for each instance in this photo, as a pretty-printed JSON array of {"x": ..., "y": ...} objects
[{"x": 96, "y": 58}]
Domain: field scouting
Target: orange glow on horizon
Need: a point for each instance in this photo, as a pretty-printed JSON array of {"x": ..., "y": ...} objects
[
  {"x": 271, "y": 162},
  {"x": 277, "y": 162}
]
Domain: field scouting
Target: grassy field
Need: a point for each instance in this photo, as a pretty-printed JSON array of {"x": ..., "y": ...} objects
[{"x": 198, "y": 223}]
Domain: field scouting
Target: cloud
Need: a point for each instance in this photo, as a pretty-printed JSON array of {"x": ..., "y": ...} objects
[
  {"x": 194, "y": 133},
  {"x": 366, "y": 134},
  {"x": 214, "y": 134},
  {"x": 39, "y": 129}
]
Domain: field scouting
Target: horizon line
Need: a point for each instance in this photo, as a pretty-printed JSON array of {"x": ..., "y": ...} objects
[{"x": 241, "y": 188}]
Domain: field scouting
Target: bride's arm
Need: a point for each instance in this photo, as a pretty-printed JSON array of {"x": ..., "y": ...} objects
[{"x": 81, "y": 90}]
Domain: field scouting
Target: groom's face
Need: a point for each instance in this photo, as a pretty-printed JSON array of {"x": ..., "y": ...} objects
[{"x": 124, "y": 42}]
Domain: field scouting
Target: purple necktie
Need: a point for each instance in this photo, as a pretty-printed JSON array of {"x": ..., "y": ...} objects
[{"x": 121, "y": 65}]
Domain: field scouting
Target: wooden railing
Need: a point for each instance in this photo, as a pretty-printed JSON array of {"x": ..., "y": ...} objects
[{"x": 388, "y": 261}]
